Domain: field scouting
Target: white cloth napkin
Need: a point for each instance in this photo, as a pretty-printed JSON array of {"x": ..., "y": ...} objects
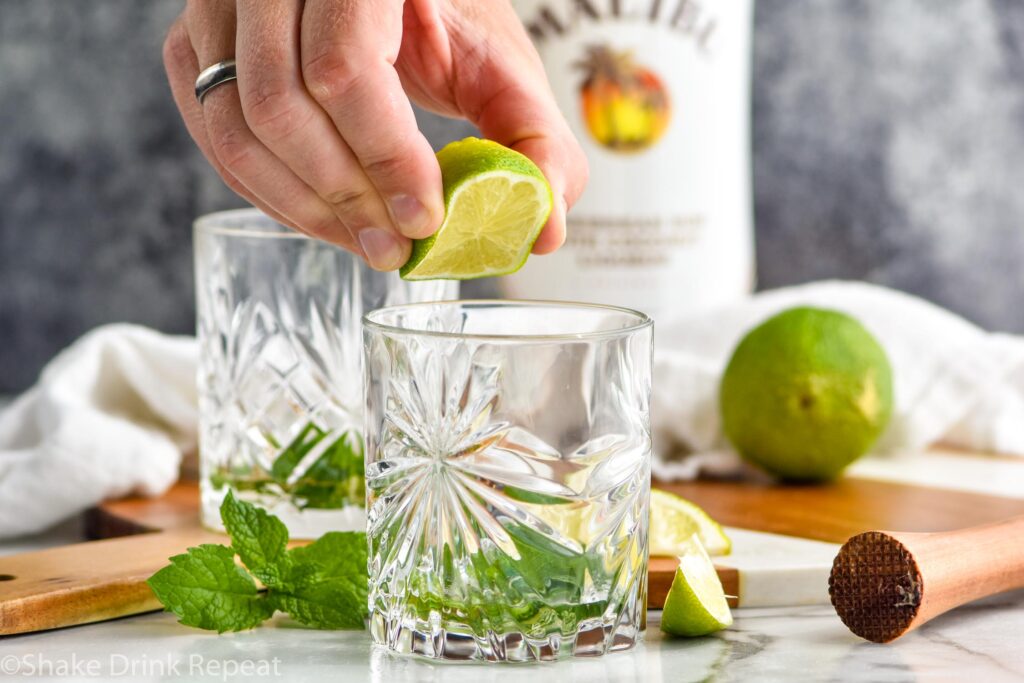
[{"x": 112, "y": 414}]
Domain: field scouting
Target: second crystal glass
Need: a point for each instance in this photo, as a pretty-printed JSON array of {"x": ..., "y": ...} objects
[
  {"x": 280, "y": 381},
  {"x": 508, "y": 476}
]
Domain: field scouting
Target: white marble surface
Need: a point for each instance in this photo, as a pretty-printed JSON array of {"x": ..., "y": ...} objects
[{"x": 979, "y": 643}]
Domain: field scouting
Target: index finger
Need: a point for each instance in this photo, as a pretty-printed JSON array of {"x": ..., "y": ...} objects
[{"x": 349, "y": 48}]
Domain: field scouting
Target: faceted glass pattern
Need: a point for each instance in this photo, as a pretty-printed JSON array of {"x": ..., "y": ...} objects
[
  {"x": 280, "y": 380},
  {"x": 508, "y": 475}
]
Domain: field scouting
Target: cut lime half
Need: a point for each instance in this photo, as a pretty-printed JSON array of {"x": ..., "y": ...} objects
[
  {"x": 674, "y": 520},
  {"x": 695, "y": 604},
  {"x": 496, "y": 203}
]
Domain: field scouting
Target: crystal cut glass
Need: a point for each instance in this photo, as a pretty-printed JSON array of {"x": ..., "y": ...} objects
[
  {"x": 508, "y": 454},
  {"x": 280, "y": 378}
]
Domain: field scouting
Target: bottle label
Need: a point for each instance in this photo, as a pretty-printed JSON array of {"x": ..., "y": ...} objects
[{"x": 657, "y": 92}]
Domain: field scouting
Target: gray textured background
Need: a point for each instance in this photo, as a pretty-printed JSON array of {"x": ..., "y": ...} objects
[{"x": 888, "y": 146}]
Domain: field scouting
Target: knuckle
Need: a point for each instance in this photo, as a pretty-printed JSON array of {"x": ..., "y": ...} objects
[
  {"x": 268, "y": 56},
  {"x": 271, "y": 109},
  {"x": 393, "y": 158},
  {"x": 329, "y": 74},
  {"x": 386, "y": 168},
  {"x": 348, "y": 200},
  {"x": 177, "y": 46},
  {"x": 232, "y": 147}
]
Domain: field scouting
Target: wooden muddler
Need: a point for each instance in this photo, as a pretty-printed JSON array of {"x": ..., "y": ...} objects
[{"x": 884, "y": 584}]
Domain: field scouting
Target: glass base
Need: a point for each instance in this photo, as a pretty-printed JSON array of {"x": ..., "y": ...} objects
[
  {"x": 304, "y": 524},
  {"x": 435, "y": 640}
]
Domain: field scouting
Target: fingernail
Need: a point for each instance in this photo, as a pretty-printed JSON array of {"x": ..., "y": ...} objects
[
  {"x": 382, "y": 249},
  {"x": 410, "y": 214}
]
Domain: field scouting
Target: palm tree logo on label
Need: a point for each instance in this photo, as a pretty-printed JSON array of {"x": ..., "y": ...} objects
[{"x": 625, "y": 105}]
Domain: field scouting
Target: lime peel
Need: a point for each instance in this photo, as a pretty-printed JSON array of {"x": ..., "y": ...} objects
[{"x": 696, "y": 603}]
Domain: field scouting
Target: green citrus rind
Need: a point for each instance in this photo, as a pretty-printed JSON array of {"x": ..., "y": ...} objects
[
  {"x": 806, "y": 393},
  {"x": 695, "y": 604}
]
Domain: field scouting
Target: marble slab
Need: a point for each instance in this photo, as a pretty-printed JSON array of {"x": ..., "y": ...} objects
[{"x": 776, "y": 571}]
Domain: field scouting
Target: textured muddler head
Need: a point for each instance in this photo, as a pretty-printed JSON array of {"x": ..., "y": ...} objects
[{"x": 875, "y": 586}]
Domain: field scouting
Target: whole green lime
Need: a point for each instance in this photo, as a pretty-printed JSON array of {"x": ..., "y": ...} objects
[{"x": 806, "y": 393}]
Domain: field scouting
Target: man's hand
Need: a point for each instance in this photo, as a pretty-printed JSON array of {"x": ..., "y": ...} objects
[{"x": 318, "y": 130}]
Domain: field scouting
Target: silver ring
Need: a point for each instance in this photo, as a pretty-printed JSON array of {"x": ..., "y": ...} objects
[{"x": 212, "y": 76}]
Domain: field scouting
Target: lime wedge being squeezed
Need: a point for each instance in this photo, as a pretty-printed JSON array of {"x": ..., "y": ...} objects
[{"x": 496, "y": 203}]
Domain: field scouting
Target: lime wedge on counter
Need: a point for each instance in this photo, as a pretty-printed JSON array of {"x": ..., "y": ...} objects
[
  {"x": 695, "y": 604},
  {"x": 496, "y": 203},
  {"x": 674, "y": 520}
]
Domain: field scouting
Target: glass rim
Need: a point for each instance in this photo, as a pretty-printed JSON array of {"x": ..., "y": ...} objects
[
  {"x": 642, "y": 321},
  {"x": 213, "y": 224}
]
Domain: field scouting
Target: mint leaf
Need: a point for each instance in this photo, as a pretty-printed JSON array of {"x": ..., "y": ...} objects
[
  {"x": 288, "y": 459},
  {"x": 547, "y": 567},
  {"x": 534, "y": 498},
  {"x": 328, "y": 584},
  {"x": 336, "y": 478},
  {"x": 336, "y": 554},
  {"x": 259, "y": 538},
  {"x": 327, "y": 604},
  {"x": 318, "y": 468},
  {"x": 206, "y": 589}
]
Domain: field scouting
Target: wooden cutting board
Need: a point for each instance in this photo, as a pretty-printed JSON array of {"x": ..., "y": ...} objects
[{"x": 780, "y": 535}]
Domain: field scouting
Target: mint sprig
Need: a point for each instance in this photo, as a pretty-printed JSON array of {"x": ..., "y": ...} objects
[
  {"x": 334, "y": 478},
  {"x": 323, "y": 585}
]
